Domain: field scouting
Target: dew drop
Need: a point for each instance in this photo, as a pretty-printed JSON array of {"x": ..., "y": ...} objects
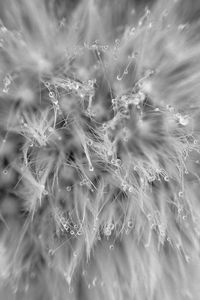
[
  {"x": 47, "y": 84},
  {"x": 149, "y": 217},
  {"x": 132, "y": 31},
  {"x": 181, "y": 27},
  {"x": 50, "y": 129},
  {"x": 51, "y": 94},
  {"x": 51, "y": 252},
  {"x": 89, "y": 142},
  {"x": 111, "y": 247},
  {"x": 75, "y": 254},
  {"x": 130, "y": 189},
  {"x": 105, "y": 48},
  {"x": 130, "y": 224},
  {"x": 170, "y": 108},
  {"x": 94, "y": 281},
  {"x": 68, "y": 188},
  {"x": 45, "y": 192},
  {"x": 183, "y": 120},
  {"x": 119, "y": 78},
  {"x": 118, "y": 161},
  {"x": 180, "y": 194},
  {"x": 187, "y": 258},
  {"x": 91, "y": 169},
  {"x": 166, "y": 178}
]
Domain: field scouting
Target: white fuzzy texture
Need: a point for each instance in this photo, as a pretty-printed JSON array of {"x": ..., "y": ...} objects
[{"x": 99, "y": 150}]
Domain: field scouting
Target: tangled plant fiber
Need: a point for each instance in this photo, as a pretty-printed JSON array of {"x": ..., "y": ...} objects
[{"x": 99, "y": 150}]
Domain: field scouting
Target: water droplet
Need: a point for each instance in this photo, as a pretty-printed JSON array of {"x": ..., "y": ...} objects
[
  {"x": 130, "y": 189},
  {"x": 150, "y": 25},
  {"x": 107, "y": 232},
  {"x": 51, "y": 252},
  {"x": 166, "y": 178},
  {"x": 132, "y": 31},
  {"x": 47, "y": 84},
  {"x": 56, "y": 103},
  {"x": 5, "y": 172},
  {"x": 91, "y": 169},
  {"x": 181, "y": 27},
  {"x": 72, "y": 232},
  {"x": 89, "y": 142},
  {"x": 68, "y": 188},
  {"x": 180, "y": 194},
  {"x": 50, "y": 129},
  {"x": 187, "y": 258},
  {"x": 141, "y": 96},
  {"x": 51, "y": 94},
  {"x": 119, "y": 78},
  {"x": 114, "y": 101},
  {"x": 105, "y": 48},
  {"x": 94, "y": 281},
  {"x": 111, "y": 247},
  {"x": 118, "y": 162},
  {"x": 130, "y": 224},
  {"x": 45, "y": 192},
  {"x": 75, "y": 254},
  {"x": 183, "y": 120},
  {"x": 149, "y": 217},
  {"x": 170, "y": 108}
]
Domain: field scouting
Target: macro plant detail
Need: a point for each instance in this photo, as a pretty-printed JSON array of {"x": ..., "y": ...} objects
[{"x": 99, "y": 150}]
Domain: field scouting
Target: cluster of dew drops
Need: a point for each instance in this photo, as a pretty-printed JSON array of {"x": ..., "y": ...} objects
[{"x": 84, "y": 90}]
